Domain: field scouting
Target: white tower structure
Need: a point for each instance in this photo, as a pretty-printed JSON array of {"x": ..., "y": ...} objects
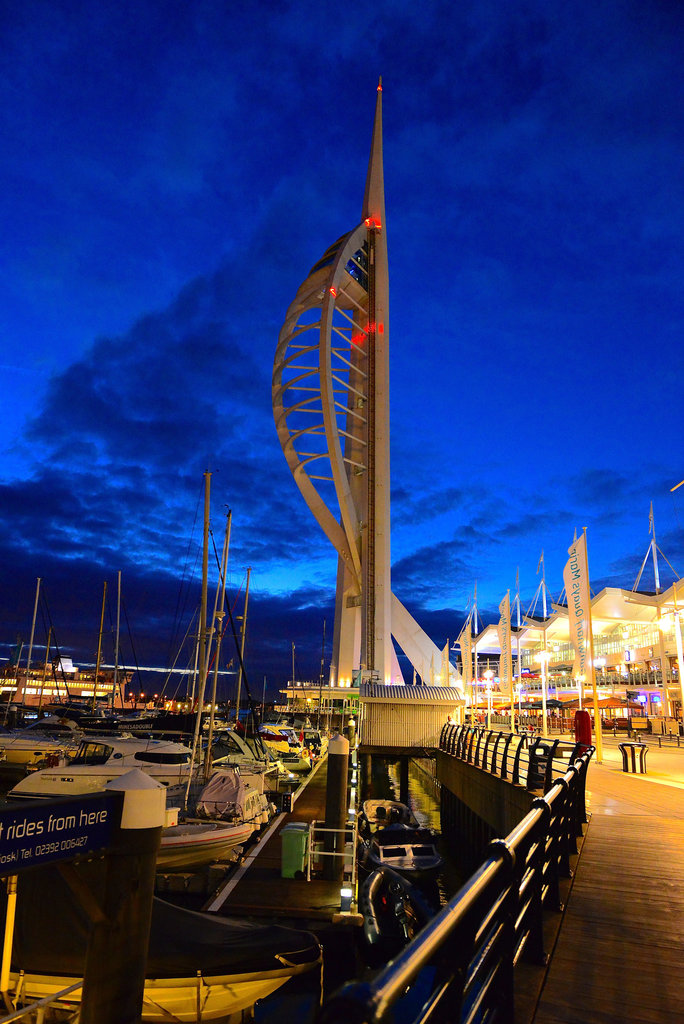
[{"x": 331, "y": 409}]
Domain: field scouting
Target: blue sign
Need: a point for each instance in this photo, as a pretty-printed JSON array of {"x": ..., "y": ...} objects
[{"x": 49, "y": 830}]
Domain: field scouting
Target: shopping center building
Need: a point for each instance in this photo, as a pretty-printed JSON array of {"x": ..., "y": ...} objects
[{"x": 637, "y": 644}]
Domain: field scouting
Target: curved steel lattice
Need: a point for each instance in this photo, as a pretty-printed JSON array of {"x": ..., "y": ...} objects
[{"x": 320, "y": 390}]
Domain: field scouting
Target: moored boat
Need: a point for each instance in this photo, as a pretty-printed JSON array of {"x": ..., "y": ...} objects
[
  {"x": 48, "y": 737},
  {"x": 390, "y": 836},
  {"x": 98, "y": 760},
  {"x": 287, "y": 746},
  {"x": 190, "y": 844},
  {"x": 226, "y": 814},
  {"x": 199, "y": 966},
  {"x": 393, "y": 912}
]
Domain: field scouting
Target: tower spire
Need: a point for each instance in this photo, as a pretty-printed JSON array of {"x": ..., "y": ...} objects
[{"x": 374, "y": 196}]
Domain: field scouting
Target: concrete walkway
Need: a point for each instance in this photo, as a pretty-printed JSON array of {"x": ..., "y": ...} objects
[{"x": 619, "y": 955}]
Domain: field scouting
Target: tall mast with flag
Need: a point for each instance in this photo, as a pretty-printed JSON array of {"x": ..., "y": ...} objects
[
  {"x": 576, "y": 580},
  {"x": 505, "y": 659}
]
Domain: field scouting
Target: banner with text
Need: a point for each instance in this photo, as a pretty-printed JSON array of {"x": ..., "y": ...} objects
[
  {"x": 466, "y": 642},
  {"x": 579, "y": 606},
  {"x": 61, "y": 829},
  {"x": 506, "y": 660}
]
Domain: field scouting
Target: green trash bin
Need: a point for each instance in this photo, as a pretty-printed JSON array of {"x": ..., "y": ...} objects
[{"x": 295, "y": 849}]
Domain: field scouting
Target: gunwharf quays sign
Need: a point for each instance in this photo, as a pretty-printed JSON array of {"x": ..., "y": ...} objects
[
  {"x": 50, "y": 830},
  {"x": 579, "y": 607}
]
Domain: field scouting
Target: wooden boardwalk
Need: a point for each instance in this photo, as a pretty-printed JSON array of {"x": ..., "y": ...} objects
[
  {"x": 619, "y": 955},
  {"x": 261, "y": 891}
]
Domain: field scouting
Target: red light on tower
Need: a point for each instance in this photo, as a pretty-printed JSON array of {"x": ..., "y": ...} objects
[
  {"x": 381, "y": 328},
  {"x": 371, "y": 222},
  {"x": 333, "y": 291}
]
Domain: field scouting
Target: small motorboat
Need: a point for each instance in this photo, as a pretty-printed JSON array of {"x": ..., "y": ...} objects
[
  {"x": 224, "y": 815},
  {"x": 227, "y": 797},
  {"x": 390, "y": 836},
  {"x": 394, "y": 911},
  {"x": 199, "y": 966},
  {"x": 193, "y": 844},
  {"x": 380, "y": 813}
]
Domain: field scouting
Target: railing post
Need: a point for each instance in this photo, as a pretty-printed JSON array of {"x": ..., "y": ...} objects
[
  {"x": 534, "y": 948},
  {"x": 480, "y": 734},
  {"x": 516, "y": 761},
  {"x": 504, "y": 756},
  {"x": 505, "y": 991},
  {"x": 488, "y": 737}
]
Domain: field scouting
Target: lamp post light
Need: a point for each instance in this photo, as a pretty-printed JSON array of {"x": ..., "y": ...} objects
[
  {"x": 579, "y": 679},
  {"x": 672, "y": 620},
  {"x": 489, "y": 675},
  {"x": 543, "y": 658}
]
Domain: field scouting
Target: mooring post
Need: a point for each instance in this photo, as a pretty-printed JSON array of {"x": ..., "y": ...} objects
[
  {"x": 336, "y": 806},
  {"x": 114, "y": 976},
  {"x": 366, "y": 776},
  {"x": 404, "y": 780}
]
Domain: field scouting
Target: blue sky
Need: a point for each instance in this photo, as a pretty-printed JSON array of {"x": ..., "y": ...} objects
[{"x": 170, "y": 172}]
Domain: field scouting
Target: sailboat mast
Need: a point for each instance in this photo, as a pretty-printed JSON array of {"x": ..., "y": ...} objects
[
  {"x": 202, "y": 632},
  {"x": 116, "y": 644},
  {"x": 42, "y": 682},
  {"x": 99, "y": 644},
  {"x": 242, "y": 648},
  {"x": 320, "y": 682},
  {"x": 219, "y": 614},
  {"x": 203, "y": 606},
  {"x": 33, "y": 629}
]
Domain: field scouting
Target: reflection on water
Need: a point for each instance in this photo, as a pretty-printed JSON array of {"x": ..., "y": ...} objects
[{"x": 425, "y": 802}]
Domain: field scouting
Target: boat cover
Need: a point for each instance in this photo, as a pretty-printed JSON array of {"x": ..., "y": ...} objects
[
  {"x": 51, "y": 936},
  {"x": 223, "y": 796}
]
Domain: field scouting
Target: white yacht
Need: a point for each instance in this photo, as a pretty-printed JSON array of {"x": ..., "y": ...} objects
[
  {"x": 49, "y": 737},
  {"x": 259, "y": 766},
  {"x": 98, "y": 760}
]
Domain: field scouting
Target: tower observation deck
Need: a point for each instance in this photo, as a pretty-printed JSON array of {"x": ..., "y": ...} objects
[{"x": 331, "y": 409}]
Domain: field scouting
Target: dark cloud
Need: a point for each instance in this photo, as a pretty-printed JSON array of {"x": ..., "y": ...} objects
[{"x": 169, "y": 179}]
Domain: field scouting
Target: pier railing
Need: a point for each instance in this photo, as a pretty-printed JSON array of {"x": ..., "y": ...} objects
[
  {"x": 460, "y": 969},
  {"x": 531, "y": 761}
]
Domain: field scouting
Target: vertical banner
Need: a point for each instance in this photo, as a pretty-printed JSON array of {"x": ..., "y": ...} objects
[
  {"x": 506, "y": 660},
  {"x": 579, "y": 607},
  {"x": 446, "y": 672},
  {"x": 576, "y": 580},
  {"x": 466, "y": 642}
]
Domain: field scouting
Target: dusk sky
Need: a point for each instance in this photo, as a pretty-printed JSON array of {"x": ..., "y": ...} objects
[{"x": 170, "y": 173}]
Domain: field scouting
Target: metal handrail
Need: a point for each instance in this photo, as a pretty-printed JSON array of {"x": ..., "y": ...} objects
[
  {"x": 539, "y": 760},
  {"x": 467, "y": 954}
]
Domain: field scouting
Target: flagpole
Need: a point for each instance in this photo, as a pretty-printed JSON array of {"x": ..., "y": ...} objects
[
  {"x": 475, "y": 678},
  {"x": 592, "y": 673}
]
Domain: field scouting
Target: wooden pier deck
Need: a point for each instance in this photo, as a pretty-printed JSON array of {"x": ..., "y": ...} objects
[
  {"x": 620, "y": 946},
  {"x": 260, "y": 891}
]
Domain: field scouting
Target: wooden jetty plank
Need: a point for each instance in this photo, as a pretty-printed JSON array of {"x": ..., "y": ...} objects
[{"x": 262, "y": 892}]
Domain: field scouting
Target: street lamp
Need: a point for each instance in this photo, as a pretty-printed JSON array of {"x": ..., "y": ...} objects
[
  {"x": 489, "y": 675},
  {"x": 543, "y": 658},
  {"x": 672, "y": 620}
]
